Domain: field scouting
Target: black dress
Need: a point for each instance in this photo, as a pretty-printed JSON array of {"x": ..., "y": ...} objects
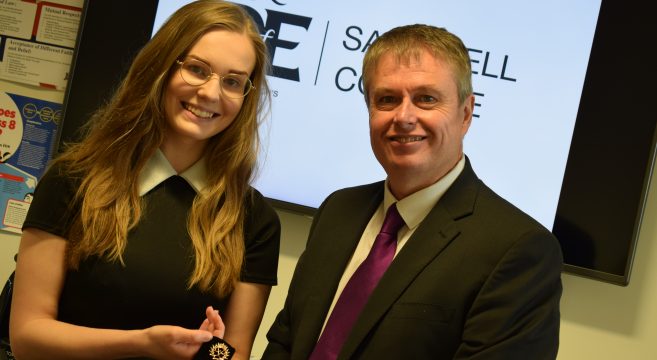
[{"x": 151, "y": 288}]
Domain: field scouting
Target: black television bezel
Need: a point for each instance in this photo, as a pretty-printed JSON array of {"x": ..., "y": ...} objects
[{"x": 612, "y": 153}]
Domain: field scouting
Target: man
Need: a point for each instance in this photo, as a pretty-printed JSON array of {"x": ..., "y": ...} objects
[{"x": 473, "y": 277}]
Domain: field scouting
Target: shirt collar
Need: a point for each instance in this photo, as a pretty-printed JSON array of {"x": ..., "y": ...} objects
[
  {"x": 158, "y": 169},
  {"x": 415, "y": 207}
]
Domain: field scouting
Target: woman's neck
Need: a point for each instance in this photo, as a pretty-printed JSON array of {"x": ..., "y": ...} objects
[{"x": 182, "y": 155}]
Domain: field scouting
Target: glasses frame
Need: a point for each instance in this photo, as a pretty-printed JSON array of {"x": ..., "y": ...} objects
[{"x": 247, "y": 89}]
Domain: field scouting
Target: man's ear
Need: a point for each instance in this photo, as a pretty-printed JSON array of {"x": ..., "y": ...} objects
[{"x": 468, "y": 109}]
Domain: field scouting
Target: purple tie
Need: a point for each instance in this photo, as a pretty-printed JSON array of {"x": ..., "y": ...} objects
[{"x": 358, "y": 288}]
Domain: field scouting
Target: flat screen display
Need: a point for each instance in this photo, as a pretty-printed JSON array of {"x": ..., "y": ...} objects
[
  {"x": 545, "y": 124},
  {"x": 528, "y": 61}
]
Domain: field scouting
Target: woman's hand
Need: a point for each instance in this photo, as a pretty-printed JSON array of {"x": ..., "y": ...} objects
[
  {"x": 213, "y": 323},
  {"x": 174, "y": 342}
]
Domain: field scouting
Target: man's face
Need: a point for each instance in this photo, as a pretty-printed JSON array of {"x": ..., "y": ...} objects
[{"x": 417, "y": 123}]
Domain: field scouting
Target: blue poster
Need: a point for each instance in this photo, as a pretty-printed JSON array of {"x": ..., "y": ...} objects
[{"x": 28, "y": 131}]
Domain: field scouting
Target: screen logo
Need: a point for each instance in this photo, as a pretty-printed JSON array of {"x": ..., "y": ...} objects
[{"x": 270, "y": 29}]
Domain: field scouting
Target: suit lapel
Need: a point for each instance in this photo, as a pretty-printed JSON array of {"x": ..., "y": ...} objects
[
  {"x": 435, "y": 232},
  {"x": 330, "y": 248}
]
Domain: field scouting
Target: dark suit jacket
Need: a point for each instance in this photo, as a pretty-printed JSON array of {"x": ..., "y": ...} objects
[{"x": 479, "y": 279}]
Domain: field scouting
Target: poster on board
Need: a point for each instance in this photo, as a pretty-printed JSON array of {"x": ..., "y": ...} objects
[
  {"x": 28, "y": 129},
  {"x": 37, "y": 41}
]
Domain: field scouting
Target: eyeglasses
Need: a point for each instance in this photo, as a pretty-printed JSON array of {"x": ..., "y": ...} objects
[{"x": 196, "y": 73}]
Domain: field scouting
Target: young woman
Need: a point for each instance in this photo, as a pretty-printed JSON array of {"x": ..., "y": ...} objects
[{"x": 139, "y": 235}]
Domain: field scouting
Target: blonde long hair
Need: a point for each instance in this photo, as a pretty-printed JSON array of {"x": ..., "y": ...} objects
[{"x": 122, "y": 135}]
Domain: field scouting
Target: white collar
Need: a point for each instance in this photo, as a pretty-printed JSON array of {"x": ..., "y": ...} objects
[{"x": 158, "y": 169}]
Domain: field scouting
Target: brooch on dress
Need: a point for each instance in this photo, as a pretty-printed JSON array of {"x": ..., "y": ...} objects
[{"x": 220, "y": 351}]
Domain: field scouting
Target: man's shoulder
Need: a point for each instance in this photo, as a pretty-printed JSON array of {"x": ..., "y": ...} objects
[
  {"x": 473, "y": 201},
  {"x": 499, "y": 207},
  {"x": 364, "y": 189},
  {"x": 356, "y": 194},
  {"x": 361, "y": 199}
]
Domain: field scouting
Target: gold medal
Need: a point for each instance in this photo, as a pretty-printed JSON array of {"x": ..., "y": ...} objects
[{"x": 220, "y": 351}]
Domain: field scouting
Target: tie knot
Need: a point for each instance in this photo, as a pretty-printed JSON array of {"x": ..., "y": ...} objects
[{"x": 393, "y": 221}]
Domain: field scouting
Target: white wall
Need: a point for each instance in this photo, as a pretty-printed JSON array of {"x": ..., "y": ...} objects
[
  {"x": 602, "y": 321},
  {"x": 599, "y": 321}
]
